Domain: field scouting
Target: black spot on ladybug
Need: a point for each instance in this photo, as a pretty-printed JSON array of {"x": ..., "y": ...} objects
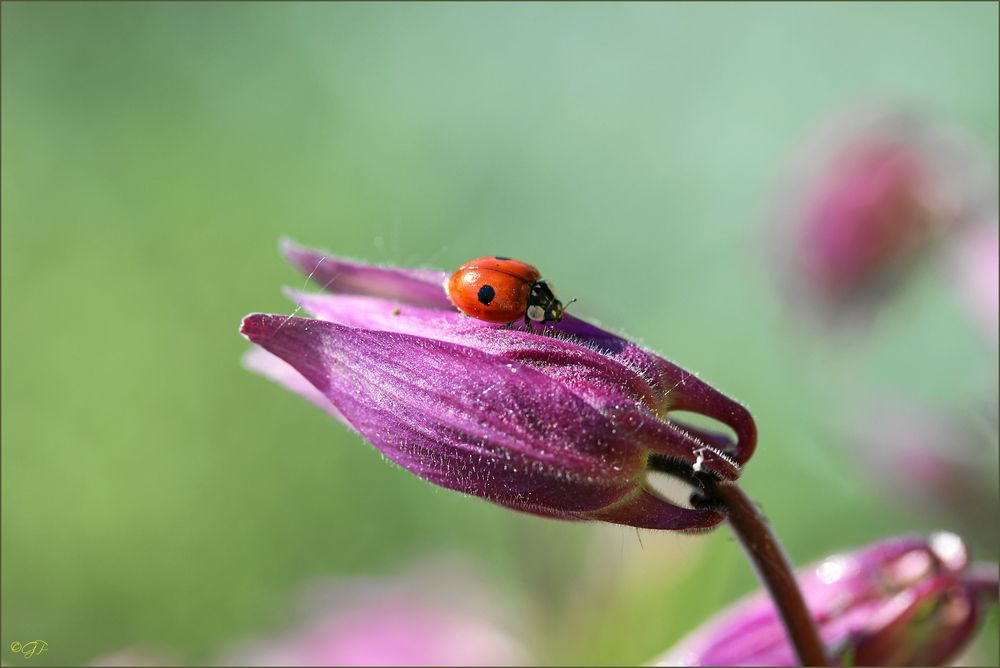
[
  {"x": 486, "y": 294},
  {"x": 502, "y": 259}
]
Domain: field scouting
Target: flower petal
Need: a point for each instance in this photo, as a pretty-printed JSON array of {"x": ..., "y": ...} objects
[
  {"x": 629, "y": 386},
  {"x": 603, "y": 379},
  {"x": 686, "y": 392},
  {"x": 893, "y": 638},
  {"x": 464, "y": 419},
  {"x": 424, "y": 287},
  {"x": 648, "y": 511}
]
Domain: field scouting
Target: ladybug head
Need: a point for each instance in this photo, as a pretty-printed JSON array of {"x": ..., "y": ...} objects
[{"x": 543, "y": 305}]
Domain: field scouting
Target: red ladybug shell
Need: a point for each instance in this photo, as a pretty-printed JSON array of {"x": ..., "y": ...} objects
[{"x": 495, "y": 289}]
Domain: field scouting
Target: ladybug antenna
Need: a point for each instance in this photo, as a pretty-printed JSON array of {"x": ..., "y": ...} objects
[{"x": 566, "y": 305}]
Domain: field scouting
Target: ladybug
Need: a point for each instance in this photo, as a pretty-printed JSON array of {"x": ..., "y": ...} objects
[{"x": 500, "y": 289}]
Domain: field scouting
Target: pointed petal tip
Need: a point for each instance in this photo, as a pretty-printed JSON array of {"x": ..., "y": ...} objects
[
  {"x": 300, "y": 257},
  {"x": 247, "y": 325},
  {"x": 289, "y": 248},
  {"x": 255, "y": 326}
]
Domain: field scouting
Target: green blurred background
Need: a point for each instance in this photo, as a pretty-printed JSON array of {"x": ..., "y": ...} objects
[{"x": 157, "y": 495}]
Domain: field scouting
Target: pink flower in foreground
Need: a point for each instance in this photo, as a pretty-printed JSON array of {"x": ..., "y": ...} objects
[
  {"x": 869, "y": 194},
  {"x": 912, "y": 600},
  {"x": 563, "y": 422},
  {"x": 431, "y": 617}
]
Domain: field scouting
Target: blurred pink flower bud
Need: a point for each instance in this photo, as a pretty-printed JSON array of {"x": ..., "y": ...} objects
[
  {"x": 907, "y": 601},
  {"x": 974, "y": 266},
  {"x": 868, "y": 195},
  {"x": 437, "y": 615},
  {"x": 132, "y": 656},
  {"x": 933, "y": 465}
]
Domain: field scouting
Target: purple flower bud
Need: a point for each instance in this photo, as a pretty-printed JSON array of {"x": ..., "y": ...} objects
[
  {"x": 912, "y": 600},
  {"x": 562, "y": 421},
  {"x": 869, "y": 194}
]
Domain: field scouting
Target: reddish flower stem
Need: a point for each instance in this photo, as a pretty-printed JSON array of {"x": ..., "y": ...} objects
[{"x": 771, "y": 564}]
